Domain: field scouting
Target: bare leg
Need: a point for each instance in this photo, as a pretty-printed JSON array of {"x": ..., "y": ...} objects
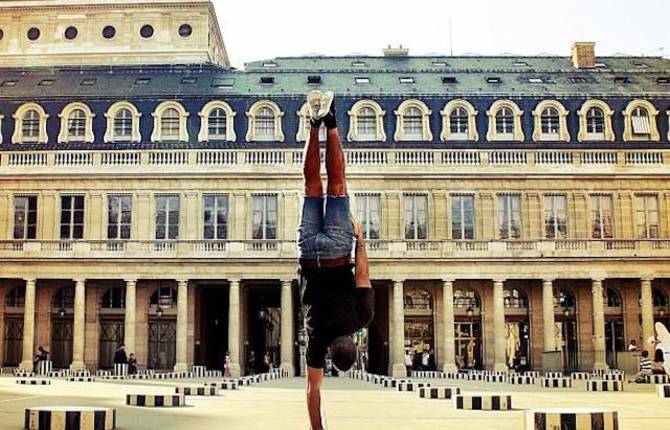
[
  {"x": 335, "y": 164},
  {"x": 314, "y": 380},
  {"x": 312, "y": 165}
]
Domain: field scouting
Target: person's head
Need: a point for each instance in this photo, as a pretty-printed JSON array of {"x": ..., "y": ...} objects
[
  {"x": 122, "y": 346},
  {"x": 658, "y": 356},
  {"x": 645, "y": 353},
  {"x": 343, "y": 352},
  {"x": 40, "y": 349},
  {"x": 132, "y": 355},
  {"x": 633, "y": 342}
]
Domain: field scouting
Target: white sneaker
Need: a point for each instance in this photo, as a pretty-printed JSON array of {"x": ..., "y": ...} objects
[
  {"x": 326, "y": 102},
  {"x": 314, "y": 103}
]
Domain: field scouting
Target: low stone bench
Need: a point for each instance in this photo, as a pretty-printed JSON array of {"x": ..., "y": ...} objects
[
  {"x": 197, "y": 390},
  {"x": 571, "y": 419},
  {"x": 663, "y": 391},
  {"x": 223, "y": 385},
  {"x": 657, "y": 379},
  {"x": 410, "y": 386},
  {"x": 521, "y": 380},
  {"x": 33, "y": 381},
  {"x": 484, "y": 401},
  {"x": 69, "y": 418},
  {"x": 495, "y": 378},
  {"x": 438, "y": 392},
  {"x": 553, "y": 374},
  {"x": 603, "y": 385},
  {"x": 556, "y": 382},
  {"x": 81, "y": 379},
  {"x": 580, "y": 376},
  {"x": 156, "y": 400}
]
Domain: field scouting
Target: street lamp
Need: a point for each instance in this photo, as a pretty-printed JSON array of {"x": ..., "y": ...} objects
[{"x": 61, "y": 312}]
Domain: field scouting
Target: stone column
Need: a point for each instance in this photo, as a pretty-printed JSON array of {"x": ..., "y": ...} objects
[
  {"x": 548, "y": 318},
  {"x": 181, "y": 364},
  {"x": 287, "y": 326},
  {"x": 599, "y": 362},
  {"x": 398, "y": 355},
  {"x": 500, "y": 360},
  {"x": 234, "y": 326},
  {"x": 129, "y": 322},
  {"x": 29, "y": 326},
  {"x": 448, "y": 315},
  {"x": 647, "y": 310},
  {"x": 78, "y": 330}
]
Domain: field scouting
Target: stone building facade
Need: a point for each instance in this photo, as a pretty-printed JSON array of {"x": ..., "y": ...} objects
[{"x": 517, "y": 208}]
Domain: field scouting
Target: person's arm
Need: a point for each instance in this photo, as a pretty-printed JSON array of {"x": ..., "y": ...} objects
[
  {"x": 362, "y": 273},
  {"x": 314, "y": 380}
]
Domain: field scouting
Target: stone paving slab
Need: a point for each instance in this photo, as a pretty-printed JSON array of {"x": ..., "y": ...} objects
[{"x": 350, "y": 405}]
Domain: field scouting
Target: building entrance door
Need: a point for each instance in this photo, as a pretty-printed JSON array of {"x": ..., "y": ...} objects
[
  {"x": 61, "y": 343},
  {"x": 468, "y": 341},
  {"x": 162, "y": 344},
  {"x": 614, "y": 341},
  {"x": 419, "y": 337},
  {"x": 13, "y": 341},
  {"x": 567, "y": 343},
  {"x": 518, "y": 345},
  {"x": 111, "y": 336}
]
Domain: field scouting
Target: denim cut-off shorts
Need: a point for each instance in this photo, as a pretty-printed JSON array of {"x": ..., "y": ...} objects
[{"x": 325, "y": 235}]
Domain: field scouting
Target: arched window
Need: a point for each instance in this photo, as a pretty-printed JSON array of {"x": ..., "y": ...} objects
[
  {"x": 63, "y": 299},
  {"x": 216, "y": 122},
  {"x": 412, "y": 122},
  {"x": 564, "y": 300},
  {"x": 505, "y": 122},
  {"x": 418, "y": 299},
  {"x": 458, "y": 122},
  {"x": 16, "y": 298},
  {"x": 465, "y": 299},
  {"x": 366, "y": 122},
  {"x": 612, "y": 298},
  {"x": 640, "y": 122},
  {"x": 595, "y": 121},
  {"x": 265, "y": 122},
  {"x": 164, "y": 297},
  {"x": 550, "y": 122},
  {"x": 515, "y": 298},
  {"x": 123, "y": 123},
  {"x": 660, "y": 300},
  {"x": 304, "y": 126},
  {"x": 30, "y": 124},
  {"x": 76, "y": 123},
  {"x": 30, "y": 127},
  {"x": 170, "y": 123},
  {"x": 114, "y": 298}
]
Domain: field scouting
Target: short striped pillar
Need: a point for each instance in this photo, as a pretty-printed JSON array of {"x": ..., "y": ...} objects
[
  {"x": 244, "y": 381},
  {"x": 612, "y": 376},
  {"x": 580, "y": 376},
  {"x": 495, "y": 378},
  {"x": 197, "y": 390},
  {"x": 81, "y": 373},
  {"x": 553, "y": 374},
  {"x": 532, "y": 373},
  {"x": 484, "y": 401},
  {"x": 120, "y": 369},
  {"x": 156, "y": 400},
  {"x": 81, "y": 379},
  {"x": 410, "y": 386},
  {"x": 114, "y": 377},
  {"x": 224, "y": 385},
  {"x": 475, "y": 377},
  {"x": 663, "y": 391},
  {"x": 556, "y": 382},
  {"x": 442, "y": 393},
  {"x": 571, "y": 419},
  {"x": 521, "y": 380},
  {"x": 20, "y": 373},
  {"x": 69, "y": 418},
  {"x": 657, "y": 379},
  {"x": 603, "y": 385},
  {"x": 44, "y": 367},
  {"x": 33, "y": 381},
  {"x": 103, "y": 373},
  {"x": 391, "y": 382},
  {"x": 199, "y": 371}
]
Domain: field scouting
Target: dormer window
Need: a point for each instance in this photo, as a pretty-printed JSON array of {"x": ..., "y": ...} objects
[
  {"x": 663, "y": 80},
  {"x": 550, "y": 118},
  {"x": 269, "y": 64},
  {"x": 30, "y": 124},
  {"x": 439, "y": 64},
  {"x": 595, "y": 121},
  {"x": 170, "y": 123},
  {"x": 494, "y": 80},
  {"x": 640, "y": 122},
  {"x": 358, "y": 63},
  {"x": 362, "y": 80},
  {"x": 314, "y": 79},
  {"x": 267, "y": 80},
  {"x": 265, "y": 122},
  {"x": 622, "y": 80},
  {"x": 406, "y": 80},
  {"x": 123, "y": 123},
  {"x": 458, "y": 122},
  {"x": 505, "y": 122},
  {"x": 447, "y": 80}
]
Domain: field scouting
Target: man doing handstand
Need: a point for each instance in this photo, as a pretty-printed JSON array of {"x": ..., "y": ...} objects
[{"x": 337, "y": 300}]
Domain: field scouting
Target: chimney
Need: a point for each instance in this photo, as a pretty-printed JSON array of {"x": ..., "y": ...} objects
[
  {"x": 584, "y": 55},
  {"x": 395, "y": 52}
]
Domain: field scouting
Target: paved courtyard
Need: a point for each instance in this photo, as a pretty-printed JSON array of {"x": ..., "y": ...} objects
[{"x": 350, "y": 404}]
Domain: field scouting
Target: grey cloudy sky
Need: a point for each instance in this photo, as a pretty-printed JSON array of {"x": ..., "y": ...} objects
[{"x": 258, "y": 29}]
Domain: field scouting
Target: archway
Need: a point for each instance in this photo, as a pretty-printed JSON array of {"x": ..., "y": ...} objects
[
  {"x": 162, "y": 327},
  {"x": 13, "y": 321},
  {"x": 112, "y": 318},
  {"x": 517, "y": 328},
  {"x": 420, "y": 327},
  {"x": 614, "y": 325},
  {"x": 566, "y": 333},
  {"x": 62, "y": 321},
  {"x": 467, "y": 326}
]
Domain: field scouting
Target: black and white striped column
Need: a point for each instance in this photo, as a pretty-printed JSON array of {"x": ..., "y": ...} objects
[
  {"x": 156, "y": 400},
  {"x": 224, "y": 385},
  {"x": 553, "y": 374},
  {"x": 81, "y": 379},
  {"x": 484, "y": 401},
  {"x": 120, "y": 369},
  {"x": 438, "y": 392},
  {"x": 197, "y": 390},
  {"x": 663, "y": 391},
  {"x": 410, "y": 386},
  {"x": 44, "y": 367},
  {"x": 69, "y": 418},
  {"x": 556, "y": 382},
  {"x": 603, "y": 385},
  {"x": 521, "y": 380},
  {"x": 33, "y": 381},
  {"x": 571, "y": 419},
  {"x": 580, "y": 376},
  {"x": 657, "y": 379}
]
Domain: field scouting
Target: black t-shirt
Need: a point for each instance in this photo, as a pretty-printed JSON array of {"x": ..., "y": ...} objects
[{"x": 333, "y": 307}]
